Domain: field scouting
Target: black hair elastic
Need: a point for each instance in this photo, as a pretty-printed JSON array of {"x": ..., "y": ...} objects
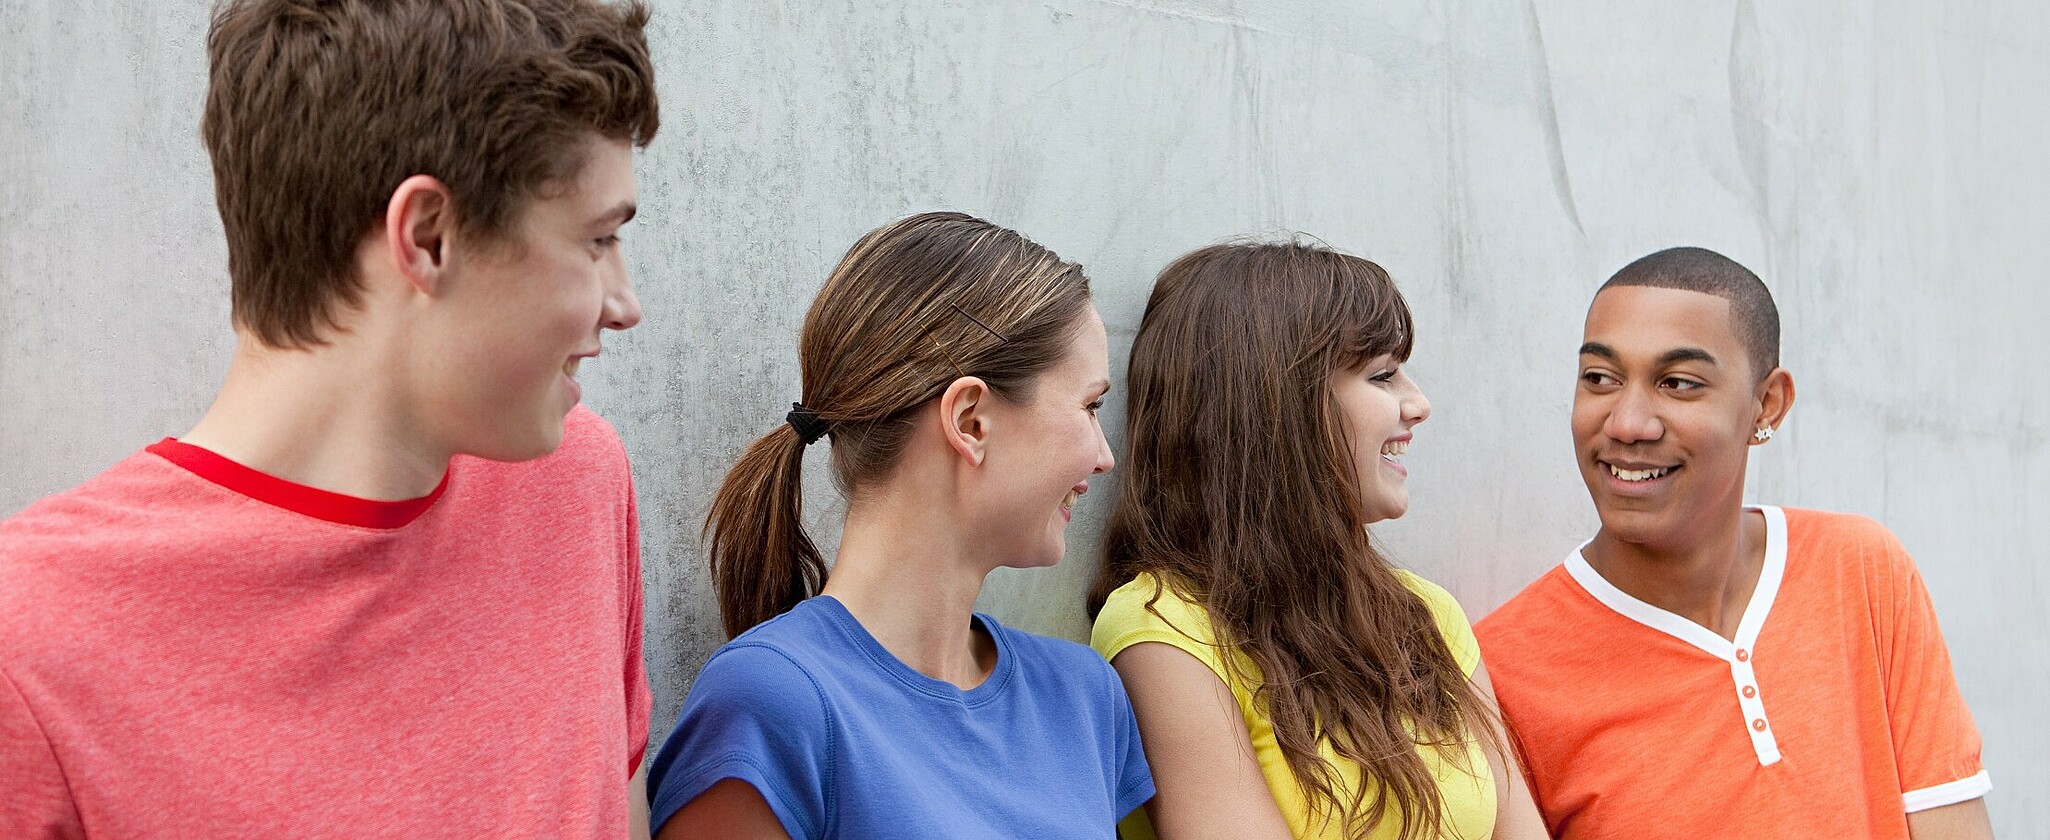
[{"x": 809, "y": 425}]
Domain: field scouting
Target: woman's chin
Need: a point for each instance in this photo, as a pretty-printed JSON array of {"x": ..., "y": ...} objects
[
  {"x": 1038, "y": 560},
  {"x": 1387, "y": 509}
]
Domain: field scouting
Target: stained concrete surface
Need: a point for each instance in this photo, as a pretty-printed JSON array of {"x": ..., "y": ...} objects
[{"x": 1882, "y": 165}]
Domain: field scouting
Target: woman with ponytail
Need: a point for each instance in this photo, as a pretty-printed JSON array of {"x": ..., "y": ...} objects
[
  {"x": 954, "y": 369},
  {"x": 1289, "y": 682}
]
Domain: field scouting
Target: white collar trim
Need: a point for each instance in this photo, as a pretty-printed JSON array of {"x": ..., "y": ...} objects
[
  {"x": 1671, "y": 624},
  {"x": 1738, "y": 653}
]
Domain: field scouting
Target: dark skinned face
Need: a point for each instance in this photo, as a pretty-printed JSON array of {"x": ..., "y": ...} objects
[{"x": 1664, "y": 413}]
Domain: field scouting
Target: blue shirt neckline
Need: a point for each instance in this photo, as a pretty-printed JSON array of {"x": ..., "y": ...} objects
[{"x": 990, "y": 689}]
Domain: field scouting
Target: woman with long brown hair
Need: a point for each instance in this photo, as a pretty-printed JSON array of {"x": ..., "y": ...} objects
[
  {"x": 1289, "y": 682},
  {"x": 956, "y": 368}
]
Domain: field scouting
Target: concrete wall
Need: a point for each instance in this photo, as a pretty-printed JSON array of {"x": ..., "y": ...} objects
[{"x": 1882, "y": 165}]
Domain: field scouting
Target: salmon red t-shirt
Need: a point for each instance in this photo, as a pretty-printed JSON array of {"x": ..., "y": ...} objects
[
  {"x": 190, "y": 648},
  {"x": 1833, "y": 713}
]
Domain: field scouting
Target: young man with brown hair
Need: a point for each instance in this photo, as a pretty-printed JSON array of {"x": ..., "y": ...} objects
[
  {"x": 389, "y": 584},
  {"x": 1707, "y": 668}
]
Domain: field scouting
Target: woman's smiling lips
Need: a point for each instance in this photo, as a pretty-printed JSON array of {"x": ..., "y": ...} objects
[
  {"x": 1394, "y": 448},
  {"x": 1068, "y": 501}
]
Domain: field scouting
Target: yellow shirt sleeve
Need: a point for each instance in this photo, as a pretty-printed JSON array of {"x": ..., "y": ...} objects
[
  {"x": 1126, "y": 620},
  {"x": 1452, "y": 623},
  {"x": 1467, "y": 785},
  {"x": 1132, "y": 615}
]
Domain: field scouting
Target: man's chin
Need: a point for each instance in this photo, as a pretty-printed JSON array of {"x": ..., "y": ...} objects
[
  {"x": 1634, "y": 524},
  {"x": 537, "y": 443}
]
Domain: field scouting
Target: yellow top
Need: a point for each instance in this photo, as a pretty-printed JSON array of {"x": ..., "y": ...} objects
[{"x": 1469, "y": 794}]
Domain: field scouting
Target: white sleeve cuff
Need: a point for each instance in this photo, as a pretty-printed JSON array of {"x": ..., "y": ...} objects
[{"x": 1949, "y": 793}]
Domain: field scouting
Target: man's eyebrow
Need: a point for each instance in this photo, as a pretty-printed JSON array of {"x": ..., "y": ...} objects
[
  {"x": 1686, "y": 354},
  {"x": 619, "y": 214},
  {"x": 1680, "y": 354}
]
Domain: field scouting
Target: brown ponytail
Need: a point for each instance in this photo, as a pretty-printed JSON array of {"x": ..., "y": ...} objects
[
  {"x": 760, "y": 501},
  {"x": 913, "y": 306}
]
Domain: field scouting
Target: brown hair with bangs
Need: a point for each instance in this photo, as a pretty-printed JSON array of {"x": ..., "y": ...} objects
[
  {"x": 913, "y": 306},
  {"x": 1239, "y": 486},
  {"x": 316, "y": 110}
]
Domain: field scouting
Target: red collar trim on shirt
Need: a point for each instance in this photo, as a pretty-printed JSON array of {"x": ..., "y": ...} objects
[{"x": 298, "y": 498}]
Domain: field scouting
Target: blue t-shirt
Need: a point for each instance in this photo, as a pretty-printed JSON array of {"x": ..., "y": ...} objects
[{"x": 845, "y": 741}]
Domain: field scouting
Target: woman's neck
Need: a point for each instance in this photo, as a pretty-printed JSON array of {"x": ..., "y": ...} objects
[{"x": 904, "y": 571}]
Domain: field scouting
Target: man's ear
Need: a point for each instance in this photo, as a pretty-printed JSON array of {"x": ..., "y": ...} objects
[
  {"x": 965, "y": 420},
  {"x": 1775, "y": 399},
  {"x": 418, "y": 225}
]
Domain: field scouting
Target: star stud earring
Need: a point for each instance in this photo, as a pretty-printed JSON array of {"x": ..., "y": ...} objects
[{"x": 1763, "y": 434}]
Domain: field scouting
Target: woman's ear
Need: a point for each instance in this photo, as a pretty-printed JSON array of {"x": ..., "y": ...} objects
[{"x": 965, "y": 418}]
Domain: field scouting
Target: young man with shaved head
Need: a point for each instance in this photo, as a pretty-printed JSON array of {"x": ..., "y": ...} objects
[
  {"x": 1706, "y": 668},
  {"x": 388, "y": 585}
]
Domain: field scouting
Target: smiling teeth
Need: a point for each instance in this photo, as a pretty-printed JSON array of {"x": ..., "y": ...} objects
[
  {"x": 1394, "y": 449},
  {"x": 569, "y": 368},
  {"x": 1638, "y": 475}
]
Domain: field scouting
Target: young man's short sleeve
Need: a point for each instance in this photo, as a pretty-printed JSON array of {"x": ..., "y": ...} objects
[
  {"x": 38, "y": 800},
  {"x": 756, "y": 716},
  {"x": 1935, "y": 741}
]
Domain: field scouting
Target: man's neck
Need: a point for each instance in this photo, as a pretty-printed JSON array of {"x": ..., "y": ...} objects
[
  {"x": 330, "y": 417},
  {"x": 1708, "y": 581}
]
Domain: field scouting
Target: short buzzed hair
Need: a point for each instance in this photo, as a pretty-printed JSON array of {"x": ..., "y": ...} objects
[{"x": 1752, "y": 312}]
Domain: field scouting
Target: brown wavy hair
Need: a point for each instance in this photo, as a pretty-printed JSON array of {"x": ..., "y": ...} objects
[
  {"x": 1239, "y": 493},
  {"x": 914, "y": 305},
  {"x": 317, "y": 109}
]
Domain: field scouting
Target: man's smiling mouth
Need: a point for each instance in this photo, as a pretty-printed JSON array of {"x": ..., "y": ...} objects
[{"x": 1634, "y": 476}]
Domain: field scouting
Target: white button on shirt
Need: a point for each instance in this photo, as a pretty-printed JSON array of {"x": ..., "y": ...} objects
[{"x": 1736, "y": 652}]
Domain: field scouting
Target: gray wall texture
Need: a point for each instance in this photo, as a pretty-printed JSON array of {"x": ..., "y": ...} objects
[{"x": 1885, "y": 167}]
